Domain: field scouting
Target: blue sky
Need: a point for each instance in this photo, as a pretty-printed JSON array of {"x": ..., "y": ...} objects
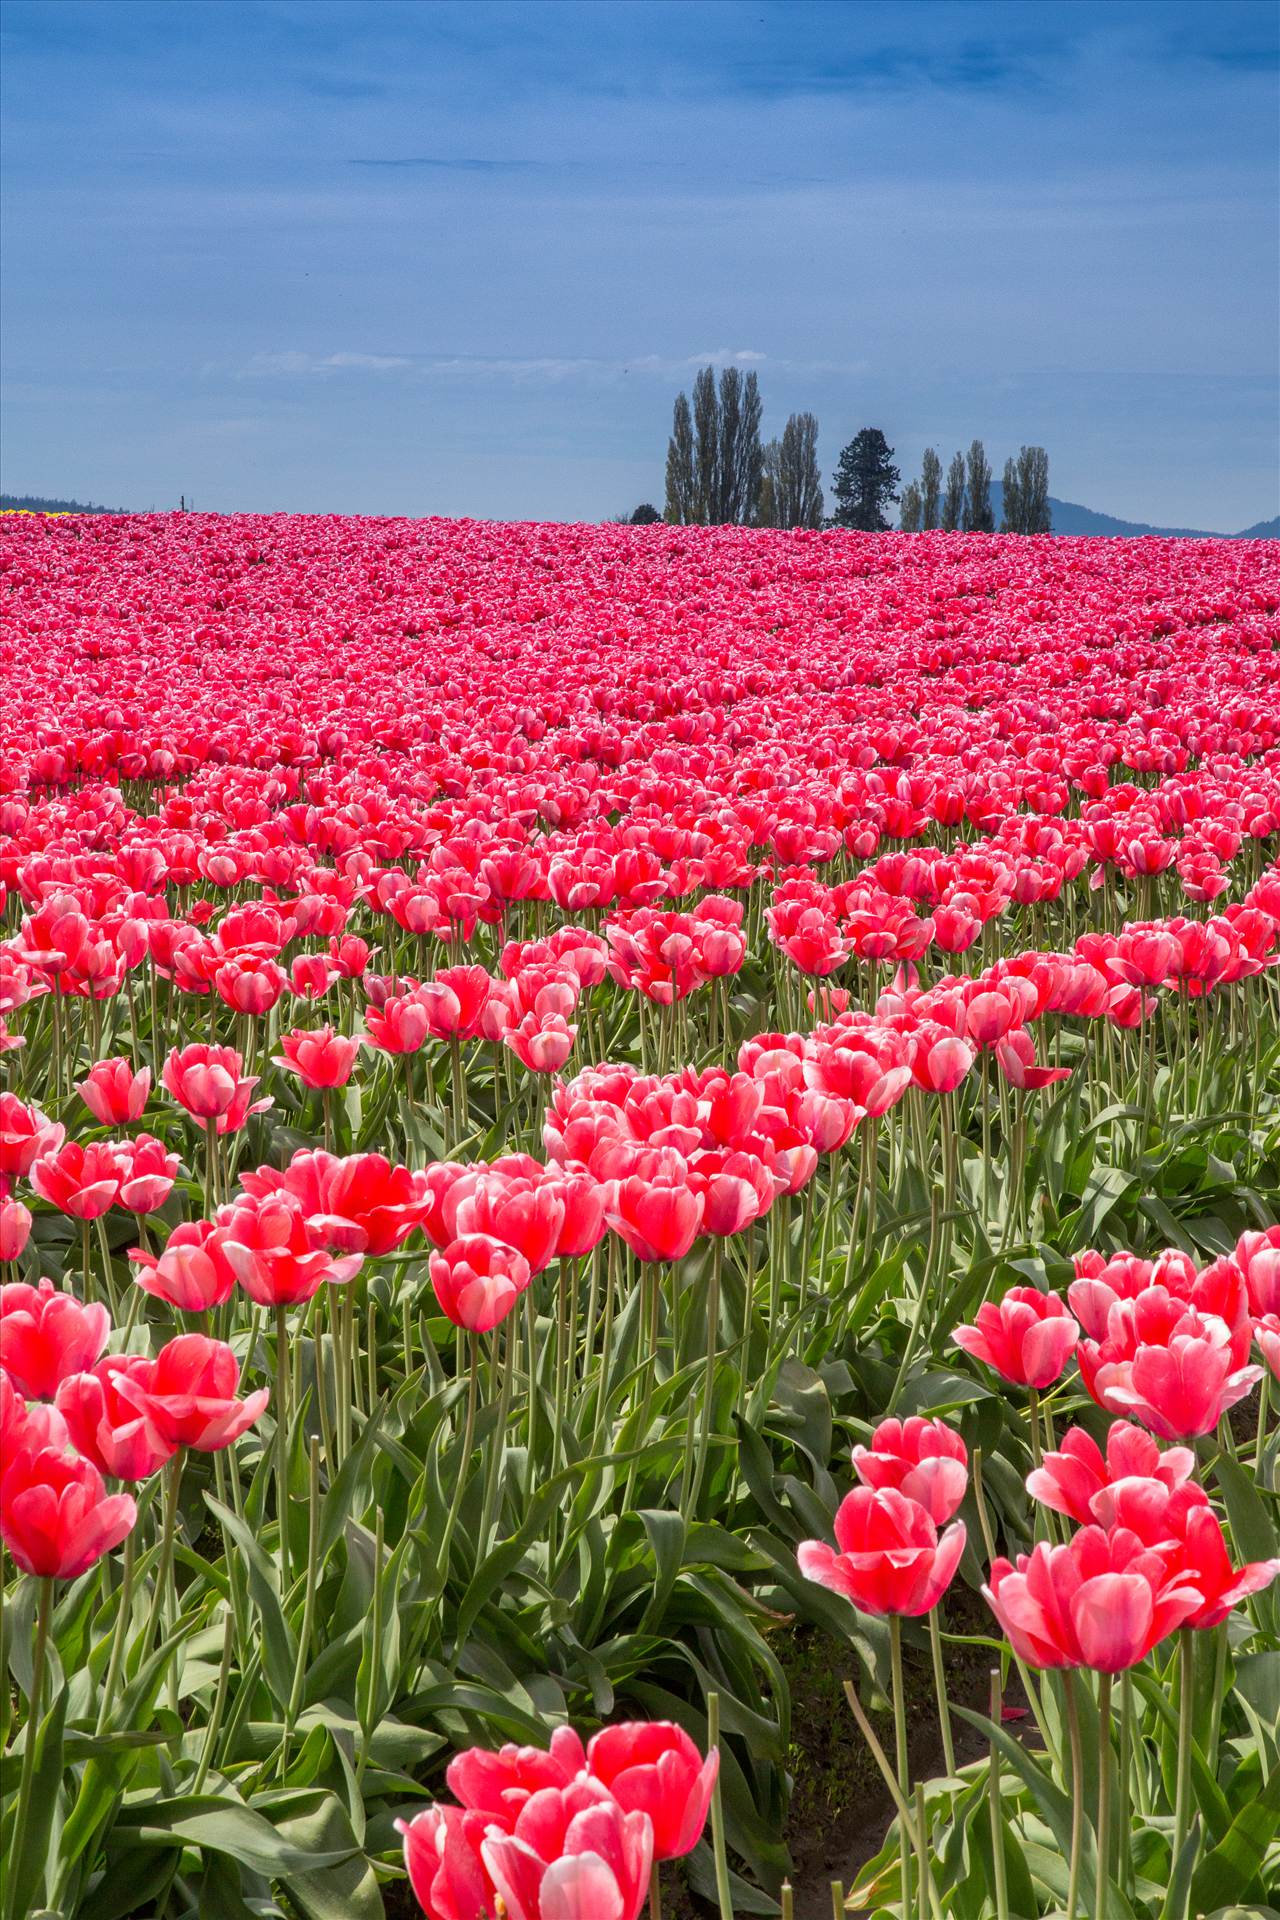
[{"x": 421, "y": 257}]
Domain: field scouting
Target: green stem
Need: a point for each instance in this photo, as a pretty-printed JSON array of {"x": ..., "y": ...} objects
[
  {"x": 900, "y": 1747},
  {"x": 1077, "y": 1792},
  {"x": 724, "y": 1898},
  {"x": 940, "y": 1689},
  {"x": 1186, "y": 1717},
  {"x": 121, "y": 1633},
  {"x": 44, "y": 1618},
  {"x": 1104, "y": 1796},
  {"x": 464, "y": 1462},
  {"x": 282, "y": 1443},
  {"x": 996, "y": 1808}
]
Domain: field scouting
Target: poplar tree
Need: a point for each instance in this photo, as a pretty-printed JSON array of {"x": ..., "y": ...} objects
[
  {"x": 977, "y": 503},
  {"x": 1011, "y": 500},
  {"x": 909, "y": 519},
  {"x": 930, "y": 489},
  {"x": 953, "y": 498},
  {"x": 681, "y": 490}
]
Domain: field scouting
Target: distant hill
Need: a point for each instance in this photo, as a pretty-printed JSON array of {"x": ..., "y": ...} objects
[
  {"x": 32, "y": 503},
  {"x": 1070, "y": 518}
]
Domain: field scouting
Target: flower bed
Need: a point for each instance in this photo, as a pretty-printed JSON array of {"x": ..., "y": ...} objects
[{"x": 588, "y": 1107}]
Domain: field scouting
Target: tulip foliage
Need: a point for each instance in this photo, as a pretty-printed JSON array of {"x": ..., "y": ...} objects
[{"x": 578, "y": 1103}]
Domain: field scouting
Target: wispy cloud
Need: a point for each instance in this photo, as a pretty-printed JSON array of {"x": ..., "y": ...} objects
[
  {"x": 444, "y": 163},
  {"x": 294, "y": 365},
  {"x": 975, "y": 66}
]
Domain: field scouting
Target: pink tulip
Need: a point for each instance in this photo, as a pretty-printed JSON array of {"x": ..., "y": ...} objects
[
  {"x": 190, "y": 1399},
  {"x": 500, "y": 1782},
  {"x": 478, "y": 1280},
  {"x": 571, "y": 1852},
  {"x": 1103, "y": 1601},
  {"x": 1027, "y": 1337},
  {"x": 113, "y": 1092},
  {"x": 15, "y": 1228},
  {"x": 266, "y": 1244},
  {"x": 653, "y": 1767},
  {"x": 191, "y": 1271},
  {"x": 442, "y": 1856},
  {"x": 107, "y": 1429},
  {"x": 323, "y": 1058},
  {"x": 46, "y": 1335},
  {"x": 1179, "y": 1386},
  {"x": 892, "y": 1559},
  {"x": 83, "y": 1182},
  {"x": 56, "y": 1517},
  {"x": 1070, "y": 1479},
  {"x": 924, "y": 1459}
]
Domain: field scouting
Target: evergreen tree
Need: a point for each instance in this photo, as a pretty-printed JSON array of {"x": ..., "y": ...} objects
[
  {"x": 909, "y": 519},
  {"x": 977, "y": 504},
  {"x": 681, "y": 488},
  {"x": 930, "y": 489},
  {"x": 953, "y": 498},
  {"x": 1033, "y": 491},
  {"x": 865, "y": 482},
  {"x": 645, "y": 515},
  {"x": 1011, "y": 521}
]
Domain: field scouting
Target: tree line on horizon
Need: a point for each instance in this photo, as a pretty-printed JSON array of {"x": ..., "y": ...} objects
[{"x": 720, "y": 473}]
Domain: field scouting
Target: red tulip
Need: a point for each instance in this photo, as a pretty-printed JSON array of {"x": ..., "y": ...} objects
[
  {"x": 147, "y": 1173},
  {"x": 659, "y": 1219},
  {"x": 926, "y": 1460},
  {"x": 891, "y": 1558},
  {"x": 360, "y": 1204},
  {"x": 15, "y": 1228},
  {"x": 541, "y": 1042},
  {"x": 56, "y": 1517},
  {"x": 1267, "y": 1334},
  {"x": 25, "y": 1137},
  {"x": 83, "y": 1182},
  {"x": 1179, "y": 1523},
  {"x": 107, "y": 1429},
  {"x": 572, "y": 1852},
  {"x": 266, "y": 1244},
  {"x": 1103, "y": 1601},
  {"x": 478, "y": 1280},
  {"x": 653, "y": 1767},
  {"x": 46, "y": 1335},
  {"x": 191, "y": 1397},
  {"x": 1027, "y": 1337},
  {"x": 499, "y": 1783},
  {"x": 1178, "y": 1383},
  {"x": 191, "y": 1271},
  {"x": 442, "y": 1856},
  {"x": 210, "y": 1083},
  {"x": 27, "y": 1428},
  {"x": 113, "y": 1092},
  {"x": 399, "y": 1025},
  {"x": 1070, "y": 1479},
  {"x": 322, "y": 1058}
]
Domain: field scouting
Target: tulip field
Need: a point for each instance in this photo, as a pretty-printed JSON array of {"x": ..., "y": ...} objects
[{"x": 597, "y": 1122}]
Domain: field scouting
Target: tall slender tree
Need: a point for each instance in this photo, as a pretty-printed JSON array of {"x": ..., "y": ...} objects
[
  {"x": 909, "y": 516},
  {"x": 790, "y": 486},
  {"x": 865, "y": 482},
  {"x": 953, "y": 498},
  {"x": 706, "y": 447},
  {"x": 682, "y": 493},
  {"x": 977, "y": 503},
  {"x": 1033, "y": 491},
  {"x": 1010, "y": 498},
  {"x": 930, "y": 489},
  {"x": 741, "y": 455}
]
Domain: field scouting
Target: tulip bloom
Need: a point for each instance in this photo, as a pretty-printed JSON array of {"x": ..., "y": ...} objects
[
  {"x": 107, "y": 1429},
  {"x": 46, "y": 1335},
  {"x": 360, "y": 1204},
  {"x": 442, "y": 1858},
  {"x": 147, "y": 1174},
  {"x": 25, "y": 1137},
  {"x": 83, "y": 1182},
  {"x": 15, "y": 1228},
  {"x": 191, "y": 1272},
  {"x": 498, "y": 1783},
  {"x": 924, "y": 1459},
  {"x": 1027, "y": 1337},
  {"x": 1179, "y": 1523},
  {"x": 1180, "y": 1386},
  {"x": 541, "y": 1042},
  {"x": 653, "y": 1767},
  {"x": 1103, "y": 1601},
  {"x": 528, "y": 1214},
  {"x": 209, "y": 1082},
  {"x": 1070, "y": 1479},
  {"x": 571, "y": 1851},
  {"x": 659, "y": 1219},
  {"x": 27, "y": 1428},
  {"x": 269, "y": 1249},
  {"x": 478, "y": 1280},
  {"x": 190, "y": 1399},
  {"x": 892, "y": 1559},
  {"x": 57, "y": 1518},
  {"x": 113, "y": 1092},
  {"x": 323, "y": 1058}
]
